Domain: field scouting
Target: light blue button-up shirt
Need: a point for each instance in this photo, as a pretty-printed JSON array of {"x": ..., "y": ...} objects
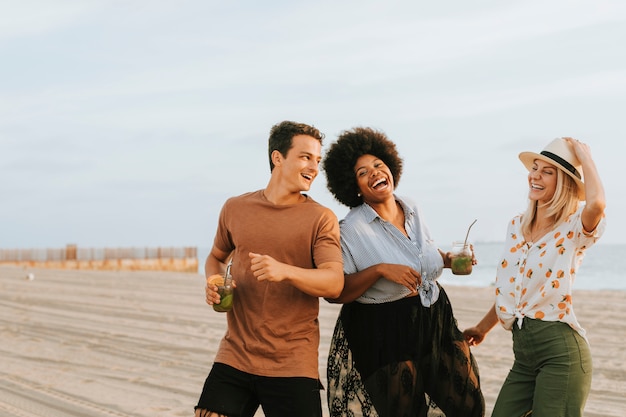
[{"x": 367, "y": 239}]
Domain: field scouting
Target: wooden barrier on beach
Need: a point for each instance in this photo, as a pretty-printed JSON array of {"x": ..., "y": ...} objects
[{"x": 180, "y": 259}]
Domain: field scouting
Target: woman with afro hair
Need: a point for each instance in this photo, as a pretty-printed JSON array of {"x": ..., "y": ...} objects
[{"x": 396, "y": 348}]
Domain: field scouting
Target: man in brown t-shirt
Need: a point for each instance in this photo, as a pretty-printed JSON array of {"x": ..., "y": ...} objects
[{"x": 286, "y": 254}]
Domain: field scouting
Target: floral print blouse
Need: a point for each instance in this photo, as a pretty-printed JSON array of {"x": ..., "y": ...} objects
[{"x": 535, "y": 279}]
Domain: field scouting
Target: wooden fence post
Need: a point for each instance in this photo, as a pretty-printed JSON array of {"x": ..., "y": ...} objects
[{"x": 70, "y": 252}]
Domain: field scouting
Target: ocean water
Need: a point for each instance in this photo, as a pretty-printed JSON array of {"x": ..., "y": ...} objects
[{"x": 600, "y": 270}]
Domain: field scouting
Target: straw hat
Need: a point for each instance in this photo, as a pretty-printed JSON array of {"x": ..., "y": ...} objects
[{"x": 559, "y": 152}]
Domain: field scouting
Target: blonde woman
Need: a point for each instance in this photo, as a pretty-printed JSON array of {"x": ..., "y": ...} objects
[{"x": 544, "y": 247}]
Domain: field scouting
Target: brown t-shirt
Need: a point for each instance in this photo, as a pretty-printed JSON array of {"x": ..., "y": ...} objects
[{"x": 273, "y": 328}]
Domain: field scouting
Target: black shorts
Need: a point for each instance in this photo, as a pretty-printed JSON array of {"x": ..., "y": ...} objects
[{"x": 234, "y": 393}]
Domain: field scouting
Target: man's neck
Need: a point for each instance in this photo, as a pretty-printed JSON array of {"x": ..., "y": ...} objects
[{"x": 281, "y": 197}]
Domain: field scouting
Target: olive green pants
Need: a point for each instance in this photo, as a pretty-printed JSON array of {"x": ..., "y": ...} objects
[{"x": 551, "y": 375}]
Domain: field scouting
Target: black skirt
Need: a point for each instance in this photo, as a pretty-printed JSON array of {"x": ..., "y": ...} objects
[{"x": 402, "y": 359}]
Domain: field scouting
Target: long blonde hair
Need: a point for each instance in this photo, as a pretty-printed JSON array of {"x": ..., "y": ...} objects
[{"x": 563, "y": 203}]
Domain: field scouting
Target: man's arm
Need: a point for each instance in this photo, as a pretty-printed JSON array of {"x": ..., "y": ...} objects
[
  {"x": 214, "y": 264},
  {"x": 324, "y": 281}
]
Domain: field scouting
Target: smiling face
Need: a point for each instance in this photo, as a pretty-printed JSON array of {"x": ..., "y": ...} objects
[
  {"x": 374, "y": 179},
  {"x": 300, "y": 166},
  {"x": 542, "y": 181}
]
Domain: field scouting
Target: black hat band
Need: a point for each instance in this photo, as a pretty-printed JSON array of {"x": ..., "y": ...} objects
[{"x": 563, "y": 162}]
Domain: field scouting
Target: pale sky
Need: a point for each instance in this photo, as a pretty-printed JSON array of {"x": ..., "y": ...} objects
[{"x": 128, "y": 123}]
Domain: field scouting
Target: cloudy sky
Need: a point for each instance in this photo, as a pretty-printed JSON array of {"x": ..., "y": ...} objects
[{"x": 128, "y": 123}]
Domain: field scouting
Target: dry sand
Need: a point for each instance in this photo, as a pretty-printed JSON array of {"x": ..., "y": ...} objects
[{"x": 87, "y": 343}]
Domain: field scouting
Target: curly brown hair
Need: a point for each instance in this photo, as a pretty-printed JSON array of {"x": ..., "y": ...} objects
[{"x": 342, "y": 155}]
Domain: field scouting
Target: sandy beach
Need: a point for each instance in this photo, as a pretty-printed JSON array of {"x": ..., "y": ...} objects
[{"x": 130, "y": 344}]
